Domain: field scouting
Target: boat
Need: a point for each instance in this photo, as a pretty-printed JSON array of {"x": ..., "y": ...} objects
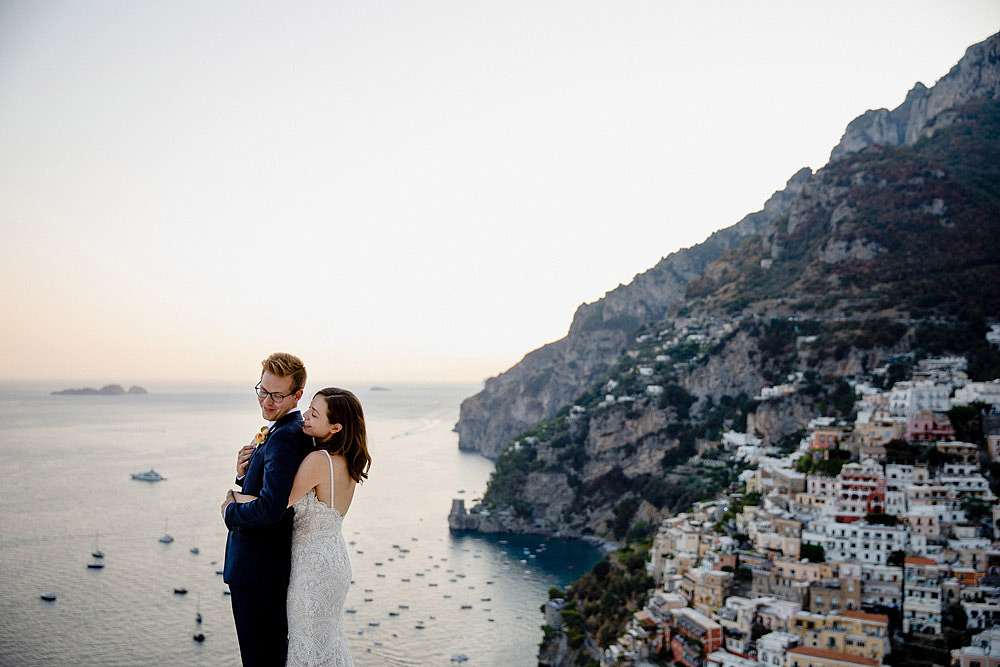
[
  {"x": 97, "y": 553},
  {"x": 95, "y": 565},
  {"x": 197, "y": 617},
  {"x": 394, "y": 613},
  {"x": 459, "y": 657},
  {"x": 350, "y": 611},
  {"x": 195, "y": 550},
  {"x": 166, "y": 539},
  {"x": 219, "y": 571},
  {"x": 180, "y": 591},
  {"x": 466, "y": 606},
  {"x": 373, "y": 624},
  {"x": 48, "y": 597},
  {"x": 148, "y": 476},
  {"x": 198, "y": 636}
]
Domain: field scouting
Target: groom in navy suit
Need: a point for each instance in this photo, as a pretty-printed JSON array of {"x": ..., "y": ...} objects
[{"x": 258, "y": 549}]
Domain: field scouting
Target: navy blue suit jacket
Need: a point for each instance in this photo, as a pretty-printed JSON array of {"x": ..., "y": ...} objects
[{"x": 259, "y": 546}]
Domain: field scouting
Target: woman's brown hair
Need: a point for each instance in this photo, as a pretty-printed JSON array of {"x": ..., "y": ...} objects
[{"x": 351, "y": 441}]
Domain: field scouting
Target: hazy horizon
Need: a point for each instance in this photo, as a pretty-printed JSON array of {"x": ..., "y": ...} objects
[{"x": 417, "y": 193}]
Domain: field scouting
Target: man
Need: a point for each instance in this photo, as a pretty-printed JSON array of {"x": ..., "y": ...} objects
[{"x": 258, "y": 549}]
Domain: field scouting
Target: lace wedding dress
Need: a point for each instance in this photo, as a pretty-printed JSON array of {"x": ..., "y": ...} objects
[{"x": 317, "y": 587}]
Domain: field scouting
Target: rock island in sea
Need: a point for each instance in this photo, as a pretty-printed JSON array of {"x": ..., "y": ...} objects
[{"x": 106, "y": 390}]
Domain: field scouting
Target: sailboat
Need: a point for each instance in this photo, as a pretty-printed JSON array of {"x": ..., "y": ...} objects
[
  {"x": 97, "y": 551},
  {"x": 166, "y": 539},
  {"x": 198, "y": 635}
]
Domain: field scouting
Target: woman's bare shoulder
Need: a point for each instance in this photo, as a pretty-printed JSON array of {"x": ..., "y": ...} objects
[{"x": 314, "y": 459}]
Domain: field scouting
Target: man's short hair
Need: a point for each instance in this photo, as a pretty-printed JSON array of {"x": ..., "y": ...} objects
[{"x": 285, "y": 365}]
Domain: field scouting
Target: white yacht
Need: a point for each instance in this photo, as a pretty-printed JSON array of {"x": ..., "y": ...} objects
[{"x": 148, "y": 476}]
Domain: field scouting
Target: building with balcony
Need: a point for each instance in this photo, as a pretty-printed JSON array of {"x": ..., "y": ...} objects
[
  {"x": 855, "y": 541},
  {"x": 772, "y": 648},
  {"x": 696, "y": 636},
  {"x": 922, "y": 595},
  {"x": 854, "y": 632},
  {"x": 881, "y": 586},
  {"x": 829, "y": 595},
  {"x": 984, "y": 651}
]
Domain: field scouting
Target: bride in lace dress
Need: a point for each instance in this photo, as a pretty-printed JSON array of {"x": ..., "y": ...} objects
[{"x": 321, "y": 495}]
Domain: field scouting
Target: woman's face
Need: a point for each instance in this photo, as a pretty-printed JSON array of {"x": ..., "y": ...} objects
[{"x": 316, "y": 421}]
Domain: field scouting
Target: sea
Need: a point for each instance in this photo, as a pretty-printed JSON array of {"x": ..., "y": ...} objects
[{"x": 421, "y": 595}]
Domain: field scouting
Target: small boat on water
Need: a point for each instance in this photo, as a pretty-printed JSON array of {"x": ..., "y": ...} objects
[
  {"x": 180, "y": 591},
  {"x": 198, "y": 636},
  {"x": 350, "y": 611},
  {"x": 148, "y": 476},
  {"x": 459, "y": 657},
  {"x": 166, "y": 539},
  {"x": 48, "y": 597},
  {"x": 95, "y": 565},
  {"x": 195, "y": 550},
  {"x": 97, "y": 553}
]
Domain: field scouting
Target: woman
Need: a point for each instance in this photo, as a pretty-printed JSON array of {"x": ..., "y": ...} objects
[{"x": 321, "y": 494}]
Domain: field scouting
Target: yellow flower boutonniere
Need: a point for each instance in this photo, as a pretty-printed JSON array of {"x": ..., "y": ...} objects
[{"x": 261, "y": 436}]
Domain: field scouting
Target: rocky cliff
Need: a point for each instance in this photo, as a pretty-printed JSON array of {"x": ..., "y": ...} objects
[
  {"x": 886, "y": 253},
  {"x": 976, "y": 76},
  {"x": 553, "y": 375}
]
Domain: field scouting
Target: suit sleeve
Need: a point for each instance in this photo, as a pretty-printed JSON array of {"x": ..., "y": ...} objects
[{"x": 281, "y": 461}]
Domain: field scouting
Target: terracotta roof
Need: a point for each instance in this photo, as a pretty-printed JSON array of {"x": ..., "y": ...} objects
[
  {"x": 918, "y": 560},
  {"x": 833, "y": 655},
  {"x": 865, "y": 616}
]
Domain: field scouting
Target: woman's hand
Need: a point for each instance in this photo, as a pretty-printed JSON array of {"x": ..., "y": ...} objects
[
  {"x": 243, "y": 497},
  {"x": 230, "y": 498}
]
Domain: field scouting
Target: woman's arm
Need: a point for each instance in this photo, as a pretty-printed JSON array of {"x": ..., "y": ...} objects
[
  {"x": 306, "y": 477},
  {"x": 309, "y": 474}
]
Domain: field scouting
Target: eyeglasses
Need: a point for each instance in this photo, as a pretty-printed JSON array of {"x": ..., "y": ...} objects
[{"x": 262, "y": 394}]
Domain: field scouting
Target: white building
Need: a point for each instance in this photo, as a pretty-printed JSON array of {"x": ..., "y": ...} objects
[
  {"x": 982, "y": 615},
  {"x": 855, "y": 541},
  {"x": 772, "y": 648},
  {"x": 983, "y": 392},
  {"x": 908, "y": 397}
]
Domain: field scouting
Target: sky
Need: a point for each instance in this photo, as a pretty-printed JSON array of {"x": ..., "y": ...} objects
[{"x": 399, "y": 191}]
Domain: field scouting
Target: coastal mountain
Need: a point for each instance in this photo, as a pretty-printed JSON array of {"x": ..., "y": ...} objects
[
  {"x": 552, "y": 376},
  {"x": 889, "y": 253}
]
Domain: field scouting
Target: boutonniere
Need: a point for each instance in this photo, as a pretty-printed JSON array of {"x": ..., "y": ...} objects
[{"x": 261, "y": 436}]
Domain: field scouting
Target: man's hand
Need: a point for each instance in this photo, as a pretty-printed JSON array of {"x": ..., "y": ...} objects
[
  {"x": 230, "y": 498},
  {"x": 243, "y": 459}
]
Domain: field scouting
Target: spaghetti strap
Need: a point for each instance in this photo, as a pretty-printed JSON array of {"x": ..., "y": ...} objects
[{"x": 329, "y": 459}]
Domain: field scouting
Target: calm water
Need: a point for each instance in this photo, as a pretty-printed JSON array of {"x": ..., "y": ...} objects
[{"x": 64, "y": 470}]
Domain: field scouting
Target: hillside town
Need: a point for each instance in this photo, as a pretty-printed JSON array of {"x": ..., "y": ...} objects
[{"x": 869, "y": 537}]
